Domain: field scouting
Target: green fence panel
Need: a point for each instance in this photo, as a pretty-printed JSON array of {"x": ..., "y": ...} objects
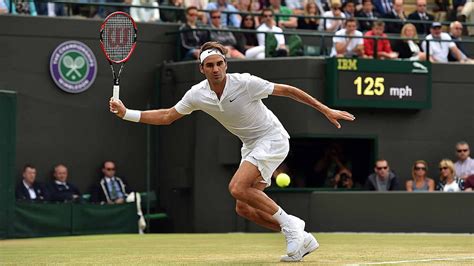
[
  {"x": 104, "y": 219},
  {"x": 42, "y": 219},
  {"x": 7, "y": 159}
]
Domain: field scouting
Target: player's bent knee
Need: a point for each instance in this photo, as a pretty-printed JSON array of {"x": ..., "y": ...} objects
[{"x": 237, "y": 191}]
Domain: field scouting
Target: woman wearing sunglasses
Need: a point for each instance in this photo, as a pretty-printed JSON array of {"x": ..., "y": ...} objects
[
  {"x": 420, "y": 181},
  {"x": 449, "y": 182}
]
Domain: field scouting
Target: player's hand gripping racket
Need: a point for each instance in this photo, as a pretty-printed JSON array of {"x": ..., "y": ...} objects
[{"x": 118, "y": 36}]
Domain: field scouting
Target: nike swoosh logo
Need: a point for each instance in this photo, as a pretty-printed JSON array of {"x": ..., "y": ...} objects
[
  {"x": 307, "y": 245},
  {"x": 233, "y": 99}
]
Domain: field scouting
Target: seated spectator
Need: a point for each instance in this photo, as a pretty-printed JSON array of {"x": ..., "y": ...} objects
[
  {"x": 448, "y": 181},
  {"x": 227, "y": 20},
  {"x": 225, "y": 38},
  {"x": 145, "y": 14},
  {"x": 469, "y": 183},
  {"x": 191, "y": 41},
  {"x": 168, "y": 15},
  {"x": 60, "y": 189},
  {"x": 333, "y": 25},
  {"x": 441, "y": 9},
  {"x": 420, "y": 181},
  {"x": 283, "y": 21},
  {"x": 421, "y": 15},
  {"x": 349, "y": 8},
  {"x": 3, "y": 7},
  {"x": 409, "y": 49},
  {"x": 49, "y": 9},
  {"x": 383, "y": 179},
  {"x": 343, "y": 179},
  {"x": 200, "y": 5},
  {"x": 384, "y": 49},
  {"x": 397, "y": 13},
  {"x": 383, "y": 7},
  {"x": 455, "y": 32},
  {"x": 249, "y": 43},
  {"x": 297, "y": 6},
  {"x": 464, "y": 166},
  {"x": 467, "y": 15},
  {"x": 22, "y": 7},
  {"x": 29, "y": 188},
  {"x": 344, "y": 45},
  {"x": 112, "y": 189},
  {"x": 439, "y": 50},
  {"x": 310, "y": 9},
  {"x": 332, "y": 167},
  {"x": 368, "y": 15},
  {"x": 268, "y": 25}
]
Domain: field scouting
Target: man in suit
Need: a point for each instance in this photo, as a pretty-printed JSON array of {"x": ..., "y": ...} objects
[
  {"x": 60, "y": 189},
  {"x": 422, "y": 15},
  {"x": 28, "y": 189},
  {"x": 396, "y": 13},
  {"x": 369, "y": 14}
]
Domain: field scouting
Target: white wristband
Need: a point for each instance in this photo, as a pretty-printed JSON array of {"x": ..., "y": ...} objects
[{"x": 132, "y": 115}]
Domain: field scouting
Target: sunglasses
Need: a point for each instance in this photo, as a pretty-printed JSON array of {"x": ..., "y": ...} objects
[
  {"x": 420, "y": 168},
  {"x": 110, "y": 169},
  {"x": 462, "y": 150},
  {"x": 216, "y": 17},
  {"x": 383, "y": 167},
  {"x": 443, "y": 168}
]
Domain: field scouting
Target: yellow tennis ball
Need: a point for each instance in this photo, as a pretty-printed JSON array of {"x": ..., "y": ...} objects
[{"x": 283, "y": 180}]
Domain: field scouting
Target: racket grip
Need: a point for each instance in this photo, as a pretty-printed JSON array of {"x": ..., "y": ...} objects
[{"x": 115, "y": 94}]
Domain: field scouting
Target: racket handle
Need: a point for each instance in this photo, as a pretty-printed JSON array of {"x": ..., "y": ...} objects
[{"x": 115, "y": 95}]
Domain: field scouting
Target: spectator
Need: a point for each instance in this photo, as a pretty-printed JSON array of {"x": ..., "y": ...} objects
[
  {"x": 420, "y": 182},
  {"x": 168, "y": 15},
  {"x": 421, "y": 15},
  {"x": 455, "y": 32},
  {"x": 440, "y": 45},
  {"x": 192, "y": 40},
  {"x": 384, "y": 50},
  {"x": 268, "y": 25},
  {"x": 368, "y": 15},
  {"x": 225, "y": 38},
  {"x": 349, "y": 8},
  {"x": 449, "y": 182},
  {"x": 469, "y": 183},
  {"x": 249, "y": 40},
  {"x": 464, "y": 166},
  {"x": 114, "y": 190},
  {"x": 333, "y": 25},
  {"x": 29, "y": 188},
  {"x": 344, "y": 45},
  {"x": 383, "y": 7},
  {"x": 49, "y": 9},
  {"x": 332, "y": 167},
  {"x": 310, "y": 9},
  {"x": 383, "y": 179},
  {"x": 227, "y": 20},
  {"x": 60, "y": 189},
  {"x": 467, "y": 15},
  {"x": 409, "y": 49},
  {"x": 3, "y": 7},
  {"x": 200, "y": 5},
  {"x": 145, "y": 14},
  {"x": 441, "y": 10},
  {"x": 22, "y": 7},
  {"x": 343, "y": 179},
  {"x": 397, "y": 13},
  {"x": 283, "y": 21}
]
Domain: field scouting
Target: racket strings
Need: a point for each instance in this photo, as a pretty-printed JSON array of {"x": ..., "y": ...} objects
[{"x": 118, "y": 37}]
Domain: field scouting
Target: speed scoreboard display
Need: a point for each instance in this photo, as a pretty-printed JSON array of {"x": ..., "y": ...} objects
[{"x": 378, "y": 83}]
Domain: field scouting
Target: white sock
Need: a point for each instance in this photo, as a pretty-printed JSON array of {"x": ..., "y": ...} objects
[{"x": 281, "y": 216}]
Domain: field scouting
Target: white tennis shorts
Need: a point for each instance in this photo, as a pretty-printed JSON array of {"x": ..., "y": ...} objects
[{"x": 266, "y": 154}]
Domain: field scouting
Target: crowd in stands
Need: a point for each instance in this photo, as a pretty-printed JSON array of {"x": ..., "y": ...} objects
[
  {"x": 276, "y": 16},
  {"x": 452, "y": 177}
]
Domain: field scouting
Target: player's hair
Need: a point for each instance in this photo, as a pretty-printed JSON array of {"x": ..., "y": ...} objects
[
  {"x": 28, "y": 166},
  {"x": 213, "y": 45},
  {"x": 447, "y": 163},
  {"x": 423, "y": 162},
  {"x": 378, "y": 23}
]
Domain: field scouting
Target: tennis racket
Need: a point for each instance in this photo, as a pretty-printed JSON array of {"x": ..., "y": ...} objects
[{"x": 118, "y": 37}]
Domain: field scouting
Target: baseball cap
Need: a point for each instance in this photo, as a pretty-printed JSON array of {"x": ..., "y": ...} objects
[{"x": 436, "y": 25}]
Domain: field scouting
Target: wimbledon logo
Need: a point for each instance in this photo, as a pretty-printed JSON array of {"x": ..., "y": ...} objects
[{"x": 73, "y": 66}]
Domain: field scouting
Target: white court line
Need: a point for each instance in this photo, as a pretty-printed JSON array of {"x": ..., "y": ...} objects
[{"x": 411, "y": 261}]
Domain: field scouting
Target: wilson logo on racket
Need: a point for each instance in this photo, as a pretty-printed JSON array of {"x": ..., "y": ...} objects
[
  {"x": 118, "y": 37},
  {"x": 73, "y": 66}
]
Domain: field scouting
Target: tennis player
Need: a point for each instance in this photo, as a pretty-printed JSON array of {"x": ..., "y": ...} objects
[{"x": 235, "y": 101}]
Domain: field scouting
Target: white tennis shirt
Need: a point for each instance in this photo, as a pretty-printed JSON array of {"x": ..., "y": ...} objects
[{"x": 240, "y": 108}]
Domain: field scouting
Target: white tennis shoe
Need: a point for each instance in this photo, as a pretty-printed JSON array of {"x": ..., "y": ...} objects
[
  {"x": 294, "y": 234},
  {"x": 310, "y": 245}
]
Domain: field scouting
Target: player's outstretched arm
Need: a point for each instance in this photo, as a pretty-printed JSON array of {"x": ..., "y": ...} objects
[
  {"x": 296, "y": 94},
  {"x": 153, "y": 117}
]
